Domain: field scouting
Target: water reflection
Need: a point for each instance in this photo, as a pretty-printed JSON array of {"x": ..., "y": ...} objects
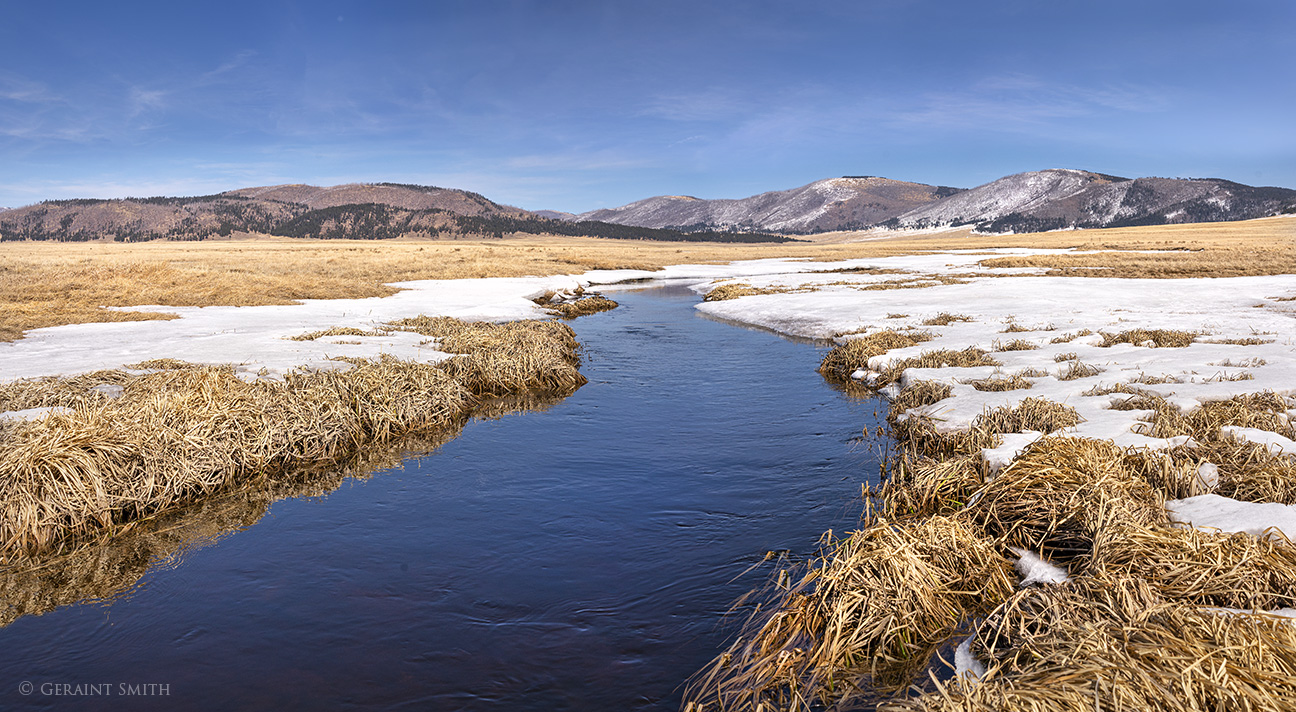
[{"x": 100, "y": 572}]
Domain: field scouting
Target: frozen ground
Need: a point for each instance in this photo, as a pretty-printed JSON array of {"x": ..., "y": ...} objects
[{"x": 1046, "y": 311}]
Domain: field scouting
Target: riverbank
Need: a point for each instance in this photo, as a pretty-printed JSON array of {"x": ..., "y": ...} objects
[{"x": 1087, "y": 505}]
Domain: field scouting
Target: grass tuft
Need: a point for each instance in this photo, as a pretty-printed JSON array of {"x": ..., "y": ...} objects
[
  {"x": 584, "y": 306},
  {"x": 945, "y": 319},
  {"x": 1161, "y": 338},
  {"x": 854, "y": 355},
  {"x": 1061, "y": 493},
  {"x": 869, "y": 611}
]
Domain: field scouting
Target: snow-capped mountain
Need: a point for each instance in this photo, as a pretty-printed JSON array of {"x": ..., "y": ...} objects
[
  {"x": 1062, "y": 198},
  {"x": 833, "y": 204}
]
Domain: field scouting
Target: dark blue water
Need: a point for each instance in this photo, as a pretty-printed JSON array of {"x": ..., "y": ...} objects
[{"x": 578, "y": 558}]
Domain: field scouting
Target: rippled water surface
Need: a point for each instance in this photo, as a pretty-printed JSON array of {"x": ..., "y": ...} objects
[{"x": 577, "y": 558}]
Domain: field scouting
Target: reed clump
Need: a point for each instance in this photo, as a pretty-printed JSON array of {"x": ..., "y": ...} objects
[
  {"x": 941, "y": 358},
  {"x": 925, "y": 488},
  {"x": 921, "y": 437},
  {"x": 1060, "y": 494},
  {"x": 1015, "y": 382},
  {"x": 945, "y": 319},
  {"x": 1069, "y": 337},
  {"x": 1077, "y": 369},
  {"x": 1015, "y": 345},
  {"x": 503, "y": 359},
  {"x": 592, "y": 304},
  {"x": 918, "y": 394},
  {"x": 1161, "y": 338},
  {"x": 1118, "y": 645},
  {"x": 870, "y": 611},
  {"x": 854, "y": 355},
  {"x": 1195, "y": 566},
  {"x": 335, "y": 331},
  {"x": 734, "y": 290},
  {"x": 59, "y": 392}
]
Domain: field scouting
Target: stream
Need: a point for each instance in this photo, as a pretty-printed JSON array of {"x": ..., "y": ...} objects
[{"x": 578, "y": 557}]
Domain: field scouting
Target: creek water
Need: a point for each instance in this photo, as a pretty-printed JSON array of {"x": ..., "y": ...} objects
[{"x": 575, "y": 558}]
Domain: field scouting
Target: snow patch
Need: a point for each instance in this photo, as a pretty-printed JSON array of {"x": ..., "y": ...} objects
[
  {"x": 1035, "y": 570},
  {"x": 1212, "y": 511},
  {"x": 966, "y": 664}
]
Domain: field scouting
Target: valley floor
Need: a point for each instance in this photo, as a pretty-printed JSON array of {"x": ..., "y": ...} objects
[{"x": 1062, "y": 398}]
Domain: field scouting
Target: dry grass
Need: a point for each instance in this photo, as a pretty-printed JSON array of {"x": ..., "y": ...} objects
[
  {"x": 47, "y": 284},
  {"x": 1069, "y": 337},
  {"x": 1161, "y": 338},
  {"x": 1075, "y": 370},
  {"x": 1252, "y": 247},
  {"x": 335, "y": 331},
  {"x": 945, "y": 319},
  {"x": 1264, "y": 410},
  {"x": 1061, "y": 493},
  {"x": 504, "y": 359},
  {"x": 869, "y": 612},
  {"x": 1015, "y": 345},
  {"x": 940, "y": 358},
  {"x": 592, "y": 304},
  {"x": 179, "y": 434},
  {"x": 1117, "y": 645},
  {"x": 918, "y": 394},
  {"x": 1016, "y": 382},
  {"x": 921, "y": 439},
  {"x": 925, "y": 488},
  {"x": 735, "y": 290},
  {"x": 854, "y": 355},
  {"x": 1194, "y": 566}
]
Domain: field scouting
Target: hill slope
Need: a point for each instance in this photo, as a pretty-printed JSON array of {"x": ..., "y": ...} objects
[
  {"x": 831, "y": 204},
  {"x": 354, "y": 211},
  {"x": 1062, "y": 199}
]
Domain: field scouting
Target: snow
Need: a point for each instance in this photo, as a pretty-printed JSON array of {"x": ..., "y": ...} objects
[
  {"x": 966, "y": 664},
  {"x": 1208, "y": 475},
  {"x": 1229, "y": 515},
  {"x": 1053, "y": 308},
  {"x": 31, "y": 413},
  {"x": 1013, "y": 444},
  {"x": 1035, "y": 570},
  {"x": 257, "y": 338},
  {"x": 1275, "y": 443}
]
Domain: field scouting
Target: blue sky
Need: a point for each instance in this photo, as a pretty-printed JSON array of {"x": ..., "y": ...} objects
[{"x": 578, "y": 105}]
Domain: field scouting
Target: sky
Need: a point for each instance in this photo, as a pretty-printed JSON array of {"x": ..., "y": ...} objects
[{"x": 576, "y": 105}]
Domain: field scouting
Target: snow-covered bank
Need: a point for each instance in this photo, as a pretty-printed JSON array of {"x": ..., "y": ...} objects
[
  {"x": 259, "y": 337},
  {"x": 1045, "y": 314}
]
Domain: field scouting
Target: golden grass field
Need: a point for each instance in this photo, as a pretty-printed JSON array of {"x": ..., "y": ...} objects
[{"x": 48, "y": 284}]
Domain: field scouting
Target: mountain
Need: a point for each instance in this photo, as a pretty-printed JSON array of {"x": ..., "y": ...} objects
[
  {"x": 846, "y": 203},
  {"x": 555, "y": 215},
  {"x": 1058, "y": 199},
  {"x": 354, "y": 211},
  {"x": 263, "y": 209}
]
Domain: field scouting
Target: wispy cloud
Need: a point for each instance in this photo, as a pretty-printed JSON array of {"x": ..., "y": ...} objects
[
  {"x": 595, "y": 160},
  {"x": 717, "y": 104},
  {"x": 1012, "y": 101}
]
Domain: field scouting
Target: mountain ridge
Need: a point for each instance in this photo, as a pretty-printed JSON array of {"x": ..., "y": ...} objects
[
  {"x": 1032, "y": 201},
  {"x": 821, "y": 206},
  {"x": 349, "y": 211}
]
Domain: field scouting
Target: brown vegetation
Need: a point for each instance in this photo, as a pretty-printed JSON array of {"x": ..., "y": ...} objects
[
  {"x": 47, "y": 284},
  {"x": 176, "y": 435}
]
